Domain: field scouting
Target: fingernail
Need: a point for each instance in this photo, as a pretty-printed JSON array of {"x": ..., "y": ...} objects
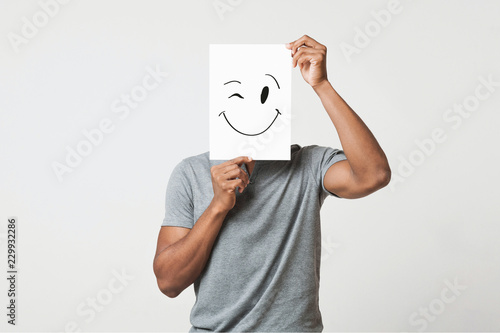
[{"x": 249, "y": 158}]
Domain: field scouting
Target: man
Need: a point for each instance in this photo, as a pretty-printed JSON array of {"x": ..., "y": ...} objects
[{"x": 247, "y": 233}]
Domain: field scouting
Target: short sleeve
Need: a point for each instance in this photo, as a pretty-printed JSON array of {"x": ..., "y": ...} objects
[
  {"x": 179, "y": 199},
  {"x": 322, "y": 158}
]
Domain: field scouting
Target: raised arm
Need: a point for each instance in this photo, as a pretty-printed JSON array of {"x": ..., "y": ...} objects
[
  {"x": 366, "y": 169},
  {"x": 182, "y": 253}
]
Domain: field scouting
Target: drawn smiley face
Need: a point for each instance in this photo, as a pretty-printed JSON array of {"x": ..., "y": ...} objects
[{"x": 267, "y": 114}]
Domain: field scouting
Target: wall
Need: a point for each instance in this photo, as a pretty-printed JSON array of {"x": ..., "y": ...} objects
[{"x": 421, "y": 254}]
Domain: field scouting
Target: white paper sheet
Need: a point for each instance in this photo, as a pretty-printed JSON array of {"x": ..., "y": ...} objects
[{"x": 250, "y": 101}]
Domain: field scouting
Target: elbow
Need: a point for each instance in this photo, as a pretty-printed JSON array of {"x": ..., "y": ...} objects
[
  {"x": 165, "y": 282},
  {"x": 370, "y": 181},
  {"x": 383, "y": 177},
  {"x": 171, "y": 293},
  {"x": 377, "y": 180},
  {"x": 168, "y": 289}
]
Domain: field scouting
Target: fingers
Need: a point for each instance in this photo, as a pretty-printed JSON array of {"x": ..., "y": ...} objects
[
  {"x": 304, "y": 41},
  {"x": 238, "y": 161},
  {"x": 224, "y": 169},
  {"x": 231, "y": 170},
  {"x": 308, "y": 55},
  {"x": 300, "y": 53},
  {"x": 231, "y": 185},
  {"x": 236, "y": 173},
  {"x": 228, "y": 172}
]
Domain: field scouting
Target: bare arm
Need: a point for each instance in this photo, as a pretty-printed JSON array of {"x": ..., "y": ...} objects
[
  {"x": 366, "y": 169},
  {"x": 181, "y": 253}
]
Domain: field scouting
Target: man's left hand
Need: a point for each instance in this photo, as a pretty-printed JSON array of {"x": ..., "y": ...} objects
[{"x": 311, "y": 58}]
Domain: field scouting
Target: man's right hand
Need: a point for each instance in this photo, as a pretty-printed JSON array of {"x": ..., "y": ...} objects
[{"x": 226, "y": 177}]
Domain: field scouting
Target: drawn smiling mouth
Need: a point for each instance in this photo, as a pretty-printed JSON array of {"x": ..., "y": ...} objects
[{"x": 224, "y": 114}]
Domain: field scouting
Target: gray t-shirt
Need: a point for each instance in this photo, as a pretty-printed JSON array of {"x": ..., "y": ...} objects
[{"x": 263, "y": 272}]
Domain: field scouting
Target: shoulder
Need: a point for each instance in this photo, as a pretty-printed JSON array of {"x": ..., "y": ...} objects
[
  {"x": 312, "y": 153},
  {"x": 195, "y": 160},
  {"x": 186, "y": 167},
  {"x": 202, "y": 158},
  {"x": 318, "y": 159}
]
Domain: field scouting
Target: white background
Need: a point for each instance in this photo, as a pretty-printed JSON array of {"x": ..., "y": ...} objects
[{"x": 385, "y": 256}]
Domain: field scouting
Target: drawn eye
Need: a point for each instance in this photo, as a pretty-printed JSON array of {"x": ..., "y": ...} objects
[
  {"x": 237, "y": 95},
  {"x": 264, "y": 94}
]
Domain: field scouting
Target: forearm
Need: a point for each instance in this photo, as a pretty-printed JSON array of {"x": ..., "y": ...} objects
[
  {"x": 180, "y": 264},
  {"x": 364, "y": 154}
]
